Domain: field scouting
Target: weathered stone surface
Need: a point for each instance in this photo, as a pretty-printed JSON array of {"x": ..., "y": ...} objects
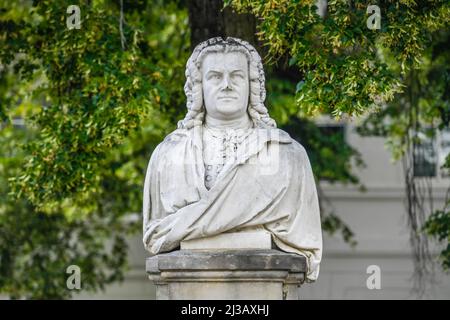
[
  {"x": 226, "y": 260},
  {"x": 234, "y": 274},
  {"x": 252, "y": 239}
]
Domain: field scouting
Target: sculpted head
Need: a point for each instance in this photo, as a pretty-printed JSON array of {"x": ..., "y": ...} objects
[
  {"x": 225, "y": 79},
  {"x": 225, "y": 84}
]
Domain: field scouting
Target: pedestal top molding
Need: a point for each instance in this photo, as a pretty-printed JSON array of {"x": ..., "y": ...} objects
[{"x": 185, "y": 260}]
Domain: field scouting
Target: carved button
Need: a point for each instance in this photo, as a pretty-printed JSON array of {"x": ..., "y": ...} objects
[
  {"x": 208, "y": 178},
  {"x": 208, "y": 167}
]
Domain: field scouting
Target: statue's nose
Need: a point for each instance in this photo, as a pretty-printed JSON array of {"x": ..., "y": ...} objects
[{"x": 226, "y": 83}]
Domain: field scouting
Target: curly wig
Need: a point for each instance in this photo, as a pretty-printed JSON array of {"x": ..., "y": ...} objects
[{"x": 193, "y": 86}]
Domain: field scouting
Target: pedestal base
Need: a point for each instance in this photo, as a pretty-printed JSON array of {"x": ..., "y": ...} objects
[{"x": 233, "y": 274}]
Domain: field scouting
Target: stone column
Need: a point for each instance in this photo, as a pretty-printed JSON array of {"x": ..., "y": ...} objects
[{"x": 227, "y": 274}]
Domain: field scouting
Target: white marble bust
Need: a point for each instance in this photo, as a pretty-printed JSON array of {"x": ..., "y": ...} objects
[{"x": 227, "y": 167}]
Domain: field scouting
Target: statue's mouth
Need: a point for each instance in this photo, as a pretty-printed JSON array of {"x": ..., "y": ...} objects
[{"x": 227, "y": 98}]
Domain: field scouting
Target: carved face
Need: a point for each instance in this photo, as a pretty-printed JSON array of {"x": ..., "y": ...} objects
[{"x": 225, "y": 85}]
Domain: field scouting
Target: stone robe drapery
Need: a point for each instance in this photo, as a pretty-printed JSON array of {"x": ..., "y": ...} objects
[{"x": 269, "y": 184}]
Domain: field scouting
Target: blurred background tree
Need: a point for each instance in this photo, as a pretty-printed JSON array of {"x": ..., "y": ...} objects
[{"x": 82, "y": 110}]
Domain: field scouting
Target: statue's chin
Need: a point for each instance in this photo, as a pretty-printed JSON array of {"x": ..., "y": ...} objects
[{"x": 228, "y": 110}]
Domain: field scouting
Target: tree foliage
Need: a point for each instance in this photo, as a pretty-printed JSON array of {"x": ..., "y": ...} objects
[
  {"x": 92, "y": 98},
  {"x": 92, "y": 112},
  {"x": 338, "y": 54}
]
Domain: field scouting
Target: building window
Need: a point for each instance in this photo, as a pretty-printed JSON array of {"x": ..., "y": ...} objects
[{"x": 430, "y": 155}]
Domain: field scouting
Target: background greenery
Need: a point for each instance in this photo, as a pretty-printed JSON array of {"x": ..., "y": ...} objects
[{"x": 82, "y": 110}]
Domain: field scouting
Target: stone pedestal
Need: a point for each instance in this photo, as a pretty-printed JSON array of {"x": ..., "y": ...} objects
[{"x": 227, "y": 274}]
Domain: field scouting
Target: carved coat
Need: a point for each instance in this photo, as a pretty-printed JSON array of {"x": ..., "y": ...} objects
[{"x": 269, "y": 184}]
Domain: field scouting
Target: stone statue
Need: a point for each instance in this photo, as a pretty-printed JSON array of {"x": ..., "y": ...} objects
[{"x": 227, "y": 168}]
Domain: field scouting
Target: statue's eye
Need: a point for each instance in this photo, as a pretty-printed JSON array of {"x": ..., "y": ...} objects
[{"x": 215, "y": 76}]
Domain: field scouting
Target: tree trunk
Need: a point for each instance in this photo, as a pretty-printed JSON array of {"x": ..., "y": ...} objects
[{"x": 208, "y": 19}]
